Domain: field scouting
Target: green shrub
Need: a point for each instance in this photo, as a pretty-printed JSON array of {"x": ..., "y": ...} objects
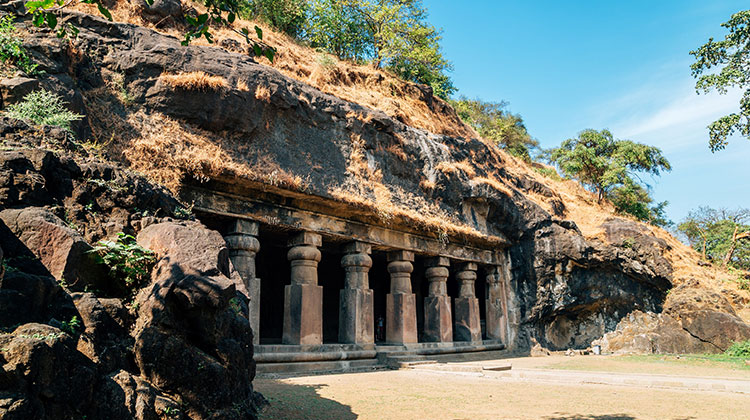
[
  {"x": 11, "y": 48},
  {"x": 43, "y": 108},
  {"x": 127, "y": 261},
  {"x": 739, "y": 349},
  {"x": 288, "y": 16}
]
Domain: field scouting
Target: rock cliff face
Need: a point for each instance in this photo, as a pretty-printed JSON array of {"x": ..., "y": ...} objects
[{"x": 254, "y": 129}]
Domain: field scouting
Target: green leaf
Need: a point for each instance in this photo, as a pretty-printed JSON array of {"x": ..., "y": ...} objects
[
  {"x": 150, "y": 2},
  {"x": 191, "y": 21},
  {"x": 51, "y": 20},
  {"x": 257, "y": 50},
  {"x": 259, "y": 32},
  {"x": 38, "y": 19},
  {"x": 202, "y": 19},
  {"x": 270, "y": 53},
  {"x": 32, "y": 6},
  {"x": 231, "y": 18},
  {"x": 103, "y": 10}
]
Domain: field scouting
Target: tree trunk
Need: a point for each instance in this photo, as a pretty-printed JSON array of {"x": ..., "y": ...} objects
[{"x": 735, "y": 238}]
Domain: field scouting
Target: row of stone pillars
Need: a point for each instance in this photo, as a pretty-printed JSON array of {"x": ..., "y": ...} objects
[{"x": 303, "y": 298}]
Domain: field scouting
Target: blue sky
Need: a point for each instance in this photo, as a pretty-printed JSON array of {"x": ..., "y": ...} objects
[{"x": 567, "y": 66}]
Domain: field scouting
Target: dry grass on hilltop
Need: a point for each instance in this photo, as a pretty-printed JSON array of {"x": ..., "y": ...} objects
[{"x": 362, "y": 84}]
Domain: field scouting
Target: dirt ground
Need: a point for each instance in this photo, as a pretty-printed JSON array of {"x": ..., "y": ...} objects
[{"x": 417, "y": 394}]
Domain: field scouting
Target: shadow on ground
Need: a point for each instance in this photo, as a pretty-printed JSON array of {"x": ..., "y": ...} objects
[
  {"x": 559, "y": 416},
  {"x": 300, "y": 402}
]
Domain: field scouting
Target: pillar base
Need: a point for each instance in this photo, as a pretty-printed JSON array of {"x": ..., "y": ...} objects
[
  {"x": 356, "y": 325},
  {"x": 401, "y": 318},
  {"x": 253, "y": 306},
  {"x": 467, "y": 325},
  {"x": 303, "y": 314},
  {"x": 437, "y": 319}
]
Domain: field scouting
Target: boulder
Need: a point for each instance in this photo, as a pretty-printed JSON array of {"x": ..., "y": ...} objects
[
  {"x": 161, "y": 10},
  {"x": 703, "y": 331},
  {"x": 42, "y": 244},
  {"x": 14, "y": 89},
  {"x": 189, "y": 337},
  {"x": 720, "y": 329},
  {"x": 43, "y": 376},
  {"x": 189, "y": 246},
  {"x": 104, "y": 335},
  {"x": 28, "y": 298},
  {"x": 124, "y": 396}
]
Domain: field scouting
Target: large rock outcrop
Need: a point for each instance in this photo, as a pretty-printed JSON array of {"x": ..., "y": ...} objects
[
  {"x": 568, "y": 290},
  {"x": 73, "y": 342}
]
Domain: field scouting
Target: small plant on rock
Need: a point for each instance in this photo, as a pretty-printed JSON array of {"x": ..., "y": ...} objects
[
  {"x": 43, "y": 108},
  {"x": 72, "y": 327},
  {"x": 11, "y": 48},
  {"x": 126, "y": 260},
  {"x": 739, "y": 349}
]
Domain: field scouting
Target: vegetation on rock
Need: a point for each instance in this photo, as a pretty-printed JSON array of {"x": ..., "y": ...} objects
[
  {"x": 610, "y": 168},
  {"x": 719, "y": 235},
  {"x": 494, "y": 122},
  {"x": 127, "y": 261},
  {"x": 43, "y": 108},
  {"x": 732, "y": 56},
  {"x": 11, "y": 47},
  {"x": 739, "y": 349},
  {"x": 391, "y": 34}
]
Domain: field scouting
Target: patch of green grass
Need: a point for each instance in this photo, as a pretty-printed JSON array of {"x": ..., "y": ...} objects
[
  {"x": 739, "y": 349},
  {"x": 705, "y": 360}
]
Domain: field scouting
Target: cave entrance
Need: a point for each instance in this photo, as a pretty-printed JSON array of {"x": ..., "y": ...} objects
[
  {"x": 274, "y": 271},
  {"x": 380, "y": 285},
  {"x": 332, "y": 277},
  {"x": 480, "y": 289}
]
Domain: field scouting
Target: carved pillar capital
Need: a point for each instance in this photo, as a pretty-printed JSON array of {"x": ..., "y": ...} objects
[{"x": 466, "y": 277}]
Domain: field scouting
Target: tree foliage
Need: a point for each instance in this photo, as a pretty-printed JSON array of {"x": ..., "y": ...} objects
[
  {"x": 611, "y": 169},
  {"x": 288, "y": 16},
  {"x": 392, "y": 34},
  {"x": 719, "y": 235},
  {"x": 42, "y": 108},
  {"x": 731, "y": 56},
  {"x": 494, "y": 122}
]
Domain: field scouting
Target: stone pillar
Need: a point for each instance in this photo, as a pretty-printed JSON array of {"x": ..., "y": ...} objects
[
  {"x": 356, "y": 325},
  {"x": 303, "y": 298},
  {"x": 467, "y": 326},
  {"x": 401, "y": 303},
  {"x": 437, "y": 305},
  {"x": 496, "y": 317},
  {"x": 243, "y": 244}
]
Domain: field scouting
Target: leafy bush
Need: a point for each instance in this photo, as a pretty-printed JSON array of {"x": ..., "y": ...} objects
[
  {"x": 739, "y": 349},
  {"x": 288, "y": 16},
  {"x": 43, "y": 108},
  {"x": 11, "y": 48},
  {"x": 127, "y": 261},
  {"x": 72, "y": 327}
]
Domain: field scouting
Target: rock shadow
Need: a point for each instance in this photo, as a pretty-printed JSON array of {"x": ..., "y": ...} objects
[{"x": 300, "y": 402}]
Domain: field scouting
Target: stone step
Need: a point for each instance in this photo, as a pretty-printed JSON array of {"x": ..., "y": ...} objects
[{"x": 319, "y": 367}]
